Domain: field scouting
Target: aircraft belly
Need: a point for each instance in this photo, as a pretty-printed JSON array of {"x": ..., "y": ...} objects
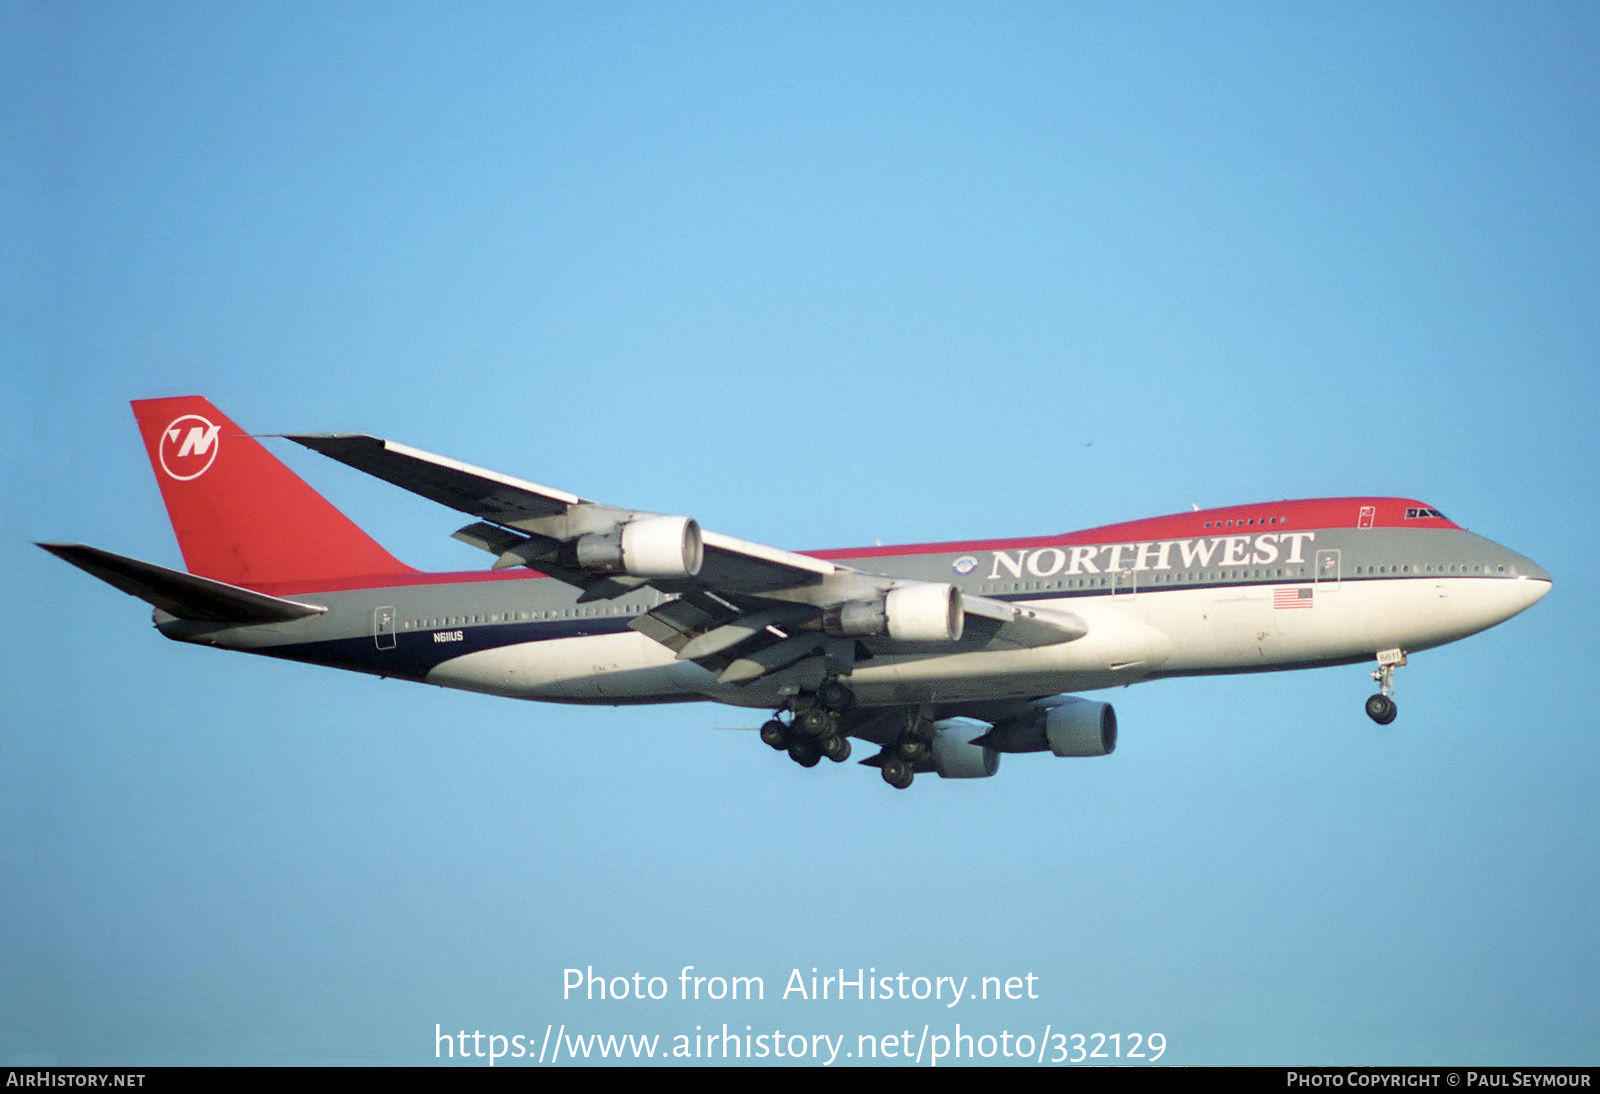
[
  {"x": 595, "y": 668},
  {"x": 1247, "y": 628},
  {"x": 1423, "y": 613}
]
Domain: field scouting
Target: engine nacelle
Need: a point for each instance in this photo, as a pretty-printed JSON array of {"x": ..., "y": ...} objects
[
  {"x": 1081, "y": 728},
  {"x": 663, "y": 547},
  {"x": 1067, "y": 726},
  {"x": 956, "y": 757},
  {"x": 925, "y": 612}
]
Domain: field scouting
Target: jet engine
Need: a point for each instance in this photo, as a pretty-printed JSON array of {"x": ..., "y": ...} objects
[
  {"x": 658, "y": 547},
  {"x": 924, "y": 612},
  {"x": 954, "y": 754},
  {"x": 1065, "y": 725}
]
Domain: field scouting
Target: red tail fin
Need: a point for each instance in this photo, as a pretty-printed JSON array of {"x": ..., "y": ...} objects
[{"x": 240, "y": 515}]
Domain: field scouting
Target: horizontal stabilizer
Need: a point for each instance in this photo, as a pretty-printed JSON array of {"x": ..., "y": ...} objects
[{"x": 181, "y": 594}]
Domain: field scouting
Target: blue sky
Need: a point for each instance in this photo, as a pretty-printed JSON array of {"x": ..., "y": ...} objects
[{"x": 818, "y": 275}]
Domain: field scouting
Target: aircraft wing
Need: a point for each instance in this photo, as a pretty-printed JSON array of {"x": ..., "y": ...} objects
[
  {"x": 742, "y": 609},
  {"x": 461, "y": 486}
]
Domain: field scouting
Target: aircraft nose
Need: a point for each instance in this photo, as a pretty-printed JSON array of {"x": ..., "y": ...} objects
[
  {"x": 1534, "y": 589},
  {"x": 1533, "y": 578}
]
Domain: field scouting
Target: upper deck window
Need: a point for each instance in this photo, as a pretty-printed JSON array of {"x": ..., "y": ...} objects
[{"x": 1246, "y": 523}]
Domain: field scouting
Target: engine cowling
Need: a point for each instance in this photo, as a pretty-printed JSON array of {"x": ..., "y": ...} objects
[
  {"x": 1066, "y": 726},
  {"x": 1081, "y": 728},
  {"x": 656, "y": 547},
  {"x": 925, "y": 612},
  {"x": 954, "y": 754}
]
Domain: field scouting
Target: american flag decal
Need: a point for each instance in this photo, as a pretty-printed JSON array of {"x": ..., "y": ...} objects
[{"x": 1293, "y": 598}]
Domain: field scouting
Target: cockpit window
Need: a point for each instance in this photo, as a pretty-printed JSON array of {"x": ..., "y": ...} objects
[{"x": 1416, "y": 512}]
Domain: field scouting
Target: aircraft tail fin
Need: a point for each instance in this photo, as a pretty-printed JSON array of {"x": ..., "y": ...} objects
[{"x": 240, "y": 515}]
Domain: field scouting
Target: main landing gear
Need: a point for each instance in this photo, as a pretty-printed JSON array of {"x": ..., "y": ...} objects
[
  {"x": 898, "y": 761},
  {"x": 812, "y": 731},
  {"x": 815, "y": 730},
  {"x": 1380, "y": 707}
]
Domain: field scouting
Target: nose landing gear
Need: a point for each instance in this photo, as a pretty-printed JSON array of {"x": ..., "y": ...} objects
[{"x": 1380, "y": 707}]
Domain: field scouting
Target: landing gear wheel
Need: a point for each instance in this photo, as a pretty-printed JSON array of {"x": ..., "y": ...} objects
[
  {"x": 836, "y": 748},
  {"x": 813, "y": 722},
  {"x": 775, "y": 734},
  {"x": 805, "y": 753},
  {"x": 911, "y": 747},
  {"x": 1381, "y": 709},
  {"x": 896, "y": 772},
  {"x": 835, "y": 697}
]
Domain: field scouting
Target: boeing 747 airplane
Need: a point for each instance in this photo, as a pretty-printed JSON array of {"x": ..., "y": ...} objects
[{"x": 941, "y": 656}]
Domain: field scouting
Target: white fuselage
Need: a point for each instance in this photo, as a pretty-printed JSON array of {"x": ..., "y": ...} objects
[{"x": 1131, "y": 637}]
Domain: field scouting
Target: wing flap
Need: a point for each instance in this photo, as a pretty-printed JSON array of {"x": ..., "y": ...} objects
[
  {"x": 676, "y": 622},
  {"x": 739, "y": 631},
  {"x": 997, "y": 623},
  {"x": 779, "y": 655}
]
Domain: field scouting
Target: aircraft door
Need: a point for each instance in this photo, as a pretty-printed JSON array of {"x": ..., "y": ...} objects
[
  {"x": 1326, "y": 574},
  {"x": 383, "y": 627}
]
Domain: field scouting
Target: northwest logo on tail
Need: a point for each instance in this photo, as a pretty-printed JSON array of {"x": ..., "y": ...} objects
[{"x": 188, "y": 447}]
